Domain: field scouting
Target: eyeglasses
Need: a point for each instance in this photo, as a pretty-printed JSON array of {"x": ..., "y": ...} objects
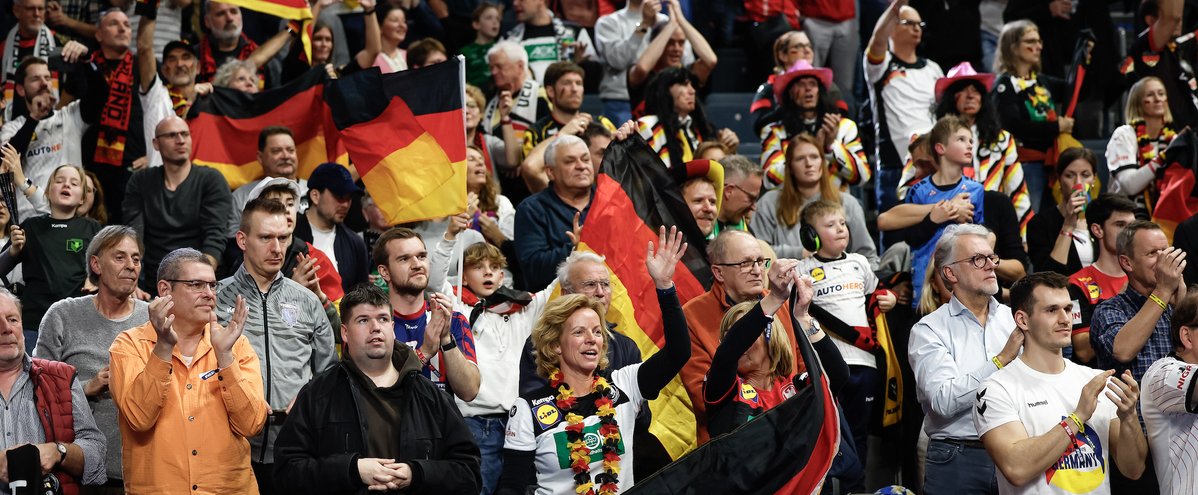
[
  {"x": 752, "y": 198},
  {"x": 979, "y": 260},
  {"x": 747, "y": 266},
  {"x": 794, "y": 49},
  {"x": 198, "y": 286},
  {"x": 911, "y": 23},
  {"x": 174, "y": 135},
  {"x": 591, "y": 285}
]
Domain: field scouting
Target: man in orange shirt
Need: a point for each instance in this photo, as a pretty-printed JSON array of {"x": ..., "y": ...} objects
[
  {"x": 186, "y": 432},
  {"x": 739, "y": 268}
]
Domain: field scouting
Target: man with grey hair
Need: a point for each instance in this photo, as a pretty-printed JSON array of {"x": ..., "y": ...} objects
[
  {"x": 951, "y": 351},
  {"x": 113, "y": 265},
  {"x": 742, "y": 189},
  {"x": 519, "y": 99},
  {"x": 225, "y": 41},
  {"x": 1131, "y": 330},
  {"x": 187, "y": 430}
]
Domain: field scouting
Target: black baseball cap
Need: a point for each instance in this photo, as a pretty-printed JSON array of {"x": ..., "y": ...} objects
[
  {"x": 335, "y": 178},
  {"x": 184, "y": 44}
]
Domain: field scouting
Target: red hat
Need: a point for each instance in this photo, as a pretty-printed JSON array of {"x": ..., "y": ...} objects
[
  {"x": 799, "y": 69},
  {"x": 963, "y": 71}
]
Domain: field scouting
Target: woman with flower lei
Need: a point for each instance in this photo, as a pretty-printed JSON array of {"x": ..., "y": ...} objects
[
  {"x": 1132, "y": 152},
  {"x": 574, "y": 437}
]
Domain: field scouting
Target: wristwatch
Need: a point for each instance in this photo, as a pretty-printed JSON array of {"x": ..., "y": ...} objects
[
  {"x": 28, "y": 184},
  {"x": 62, "y": 449},
  {"x": 449, "y": 347},
  {"x": 641, "y": 27},
  {"x": 814, "y": 327}
]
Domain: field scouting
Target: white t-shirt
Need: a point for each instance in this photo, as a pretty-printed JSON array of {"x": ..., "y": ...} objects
[
  {"x": 1168, "y": 388},
  {"x": 324, "y": 240},
  {"x": 841, "y": 287},
  {"x": 55, "y": 142},
  {"x": 156, "y": 105},
  {"x": 1085, "y": 247},
  {"x": 1041, "y": 401},
  {"x": 538, "y": 425},
  {"x": 903, "y": 97}
]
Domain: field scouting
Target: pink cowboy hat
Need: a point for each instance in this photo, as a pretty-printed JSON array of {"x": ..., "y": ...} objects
[
  {"x": 799, "y": 69},
  {"x": 963, "y": 71}
]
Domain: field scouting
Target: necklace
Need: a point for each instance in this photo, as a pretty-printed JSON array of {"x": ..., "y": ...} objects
[{"x": 580, "y": 454}]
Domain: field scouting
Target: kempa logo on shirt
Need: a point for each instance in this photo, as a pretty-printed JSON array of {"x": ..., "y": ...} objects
[{"x": 74, "y": 245}]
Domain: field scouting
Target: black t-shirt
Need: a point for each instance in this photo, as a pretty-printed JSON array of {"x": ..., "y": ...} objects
[
  {"x": 381, "y": 407},
  {"x": 54, "y": 260},
  {"x": 135, "y": 136},
  {"x": 1170, "y": 66}
]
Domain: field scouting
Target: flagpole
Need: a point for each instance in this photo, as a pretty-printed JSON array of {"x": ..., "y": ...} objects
[{"x": 457, "y": 298}]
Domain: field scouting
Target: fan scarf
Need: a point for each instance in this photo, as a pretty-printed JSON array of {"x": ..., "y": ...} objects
[
  {"x": 208, "y": 62},
  {"x": 580, "y": 454},
  {"x": 114, "y": 121},
  {"x": 1147, "y": 146}
]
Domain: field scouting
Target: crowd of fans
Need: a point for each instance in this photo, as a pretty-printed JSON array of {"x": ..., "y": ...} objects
[{"x": 937, "y": 228}]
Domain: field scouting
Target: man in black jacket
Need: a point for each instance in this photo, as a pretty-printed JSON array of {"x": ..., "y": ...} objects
[
  {"x": 330, "y": 190},
  {"x": 341, "y": 435}
]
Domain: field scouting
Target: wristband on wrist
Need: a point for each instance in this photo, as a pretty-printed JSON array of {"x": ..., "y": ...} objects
[
  {"x": 422, "y": 358},
  {"x": 1068, "y": 430},
  {"x": 505, "y": 121},
  {"x": 294, "y": 27},
  {"x": 1077, "y": 421},
  {"x": 1067, "y": 233},
  {"x": 997, "y": 362},
  {"x": 1158, "y": 301},
  {"x": 449, "y": 347}
]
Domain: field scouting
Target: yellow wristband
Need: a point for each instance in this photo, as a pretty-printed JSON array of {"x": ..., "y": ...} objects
[
  {"x": 997, "y": 362},
  {"x": 1078, "y": 422},
  {"x": 1158, "y": 301}
]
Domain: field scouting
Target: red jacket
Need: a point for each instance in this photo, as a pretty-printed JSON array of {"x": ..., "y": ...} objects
[
  {"x": 827, "y": 10},
  {"x": 52, "y": 393},
  {"x": 763, "y": 10}
]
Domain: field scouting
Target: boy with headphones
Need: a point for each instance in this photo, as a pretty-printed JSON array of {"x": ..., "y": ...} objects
[{"x": 843, "y": 283}]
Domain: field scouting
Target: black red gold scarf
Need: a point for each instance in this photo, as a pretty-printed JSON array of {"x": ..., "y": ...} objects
[
  {"x": 208, "y": 62},
  {"x": 114, "y": 121},
  {"x": 1147, "y": 146}
]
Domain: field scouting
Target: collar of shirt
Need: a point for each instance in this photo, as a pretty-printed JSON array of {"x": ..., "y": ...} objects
[{"x": 957, "y": 308}]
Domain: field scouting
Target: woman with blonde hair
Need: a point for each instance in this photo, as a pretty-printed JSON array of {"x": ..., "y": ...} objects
[
  {"x": 1132, "y": 152},
  {"x": 808, "y": 178},
  {"x": 755, "y": 356},
  {"x": 590, "y": 408},
  {"x": 493, "y": 147}
]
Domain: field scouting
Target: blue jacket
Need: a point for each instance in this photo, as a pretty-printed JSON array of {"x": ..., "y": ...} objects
[
  {"x": 542, "y": 221},
  {"x": 353, "y": 261}
]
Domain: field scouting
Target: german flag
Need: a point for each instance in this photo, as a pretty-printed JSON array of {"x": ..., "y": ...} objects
[
  {"x": 635, "y": 195},
  {"x": 787, "y": 450},
  {"x": 225, "y": 124},
  {"x": 406, "y": 135},
  {"x": 1175, "y": 181}
]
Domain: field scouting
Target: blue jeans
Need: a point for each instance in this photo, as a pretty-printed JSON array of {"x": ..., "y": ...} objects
[
  {"x": 1034, "y": 176},
  {"x": 617, "y": 111},
  {"x": 886, "y": 184},
  {"x": 959, "y": 470},
  {"x": 488, "y": 432},
  {"x": 989, "y": 47}
]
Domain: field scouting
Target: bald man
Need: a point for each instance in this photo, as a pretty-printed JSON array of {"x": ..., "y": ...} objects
[{"x": 177, "y": 205}]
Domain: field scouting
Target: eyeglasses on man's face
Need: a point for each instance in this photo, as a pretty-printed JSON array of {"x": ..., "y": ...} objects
[
  {"x": 197, "y": 286},
  {"x": 748, "y": 265},
  {"x": 979, "y": 260}
]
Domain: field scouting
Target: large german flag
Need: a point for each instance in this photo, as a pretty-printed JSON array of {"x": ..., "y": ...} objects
[
  {"x": 225, "y": 124},
  {"x": 1175, "y": 181},
  {"x": 634, "y": 197},
  {"x": 787, "y": 450},
  {"x": 406, "y": 134}
]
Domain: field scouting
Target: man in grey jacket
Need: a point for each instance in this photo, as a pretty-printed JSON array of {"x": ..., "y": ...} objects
[{"x": 286, "y": 326}]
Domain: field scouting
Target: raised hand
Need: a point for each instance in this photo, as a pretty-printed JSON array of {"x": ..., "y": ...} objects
[
  {"x": 457, "y": 223},
  {"x": 72, "y": 51},
  {"x": 1073, "y": 206},
  {"x": 16, "y": 236},
  {"x": 1124, "y": 392},
  {"x": 804, "y": 293},
  {"x": 305, "y": 274},
  {"x": 162, "y": 320},
  {"x": 649, "y": 10},
  {"x": 662, "y": 261},
  {"x": 505, "y": 104},
  {"x": 11, "y": 162},
  {"x": 576, "y": 126},
  {"x": 490, "y": 230},
  {"x": 576, "y": 234},
  {"x": 729, "y": 139},
  {"x": 1089, "y": 396},
  {"x": 1169, "y": 265},
  {"x": 223, "y": 338},
  {"x": 628, "y": 129},
  {"x": 1011, "y": 351}
]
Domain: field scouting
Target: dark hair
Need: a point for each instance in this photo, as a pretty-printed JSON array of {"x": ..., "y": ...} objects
[
  {"x": 379, "y": 255},
  {"x": 272, "y": 130},
  {"x": 659, "y": 102},
  {"x": 1023, "y": 291},
  {"x": 363, "y": 294},
  {"x": 594, "y": 129},
  {"x": 482, "y": 8},
  {"x": 1100, "y": 209},
  {"x": 986, "y": 119},
  {"x": 556, "y": 70},
  {"x": 419, "y": 51},
  {"x": 1185, "y": 314},
  {"x": 941, "y": 132},
  {"x": 792, "y": 115},
  {"x": 269, "y": 206},
  {"x": 26, "y": 63},
  {"x": 1148, "y": 8},
  {"x": 1071, "y": 155},
  {"x": 97, "y": 212}
]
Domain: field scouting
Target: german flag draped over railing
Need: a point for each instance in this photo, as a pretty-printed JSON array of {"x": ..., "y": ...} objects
[
  {"x": 406, "y": 134},
  {"x": 787, "y": 450},
  {"x": 225, "y": 126},
  {"x": 635, "y": 195},
  {"x": 1175, "y": 182}
]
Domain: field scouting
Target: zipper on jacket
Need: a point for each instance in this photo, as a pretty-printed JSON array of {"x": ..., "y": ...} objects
[{"x": 266, "y": 373}]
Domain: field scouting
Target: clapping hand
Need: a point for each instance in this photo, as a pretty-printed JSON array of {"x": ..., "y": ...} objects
[
  {"x": 661, "y": 262},
  {"x": 223, "y": 338},
  {"x": 1124, "y": 392}
]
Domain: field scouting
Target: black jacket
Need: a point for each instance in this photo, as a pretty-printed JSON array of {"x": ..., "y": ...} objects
[
  {"x": 324, "y": 435},
  {"x": 353, "y": 262},
  {"x": 1042, "y": 232}
]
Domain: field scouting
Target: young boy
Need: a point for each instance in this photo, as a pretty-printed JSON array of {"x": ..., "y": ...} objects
[
  {"x": 842, "y": 283},
  {"x": 501, "y": 320},
  {"x": 952, "y": 148},
  {"x": 485, "y": 20}
]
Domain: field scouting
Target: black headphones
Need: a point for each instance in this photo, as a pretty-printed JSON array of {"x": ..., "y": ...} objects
[{"x": 809, "y": 237}]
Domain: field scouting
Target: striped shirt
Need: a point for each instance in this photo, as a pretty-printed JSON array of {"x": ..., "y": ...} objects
[
  {"x": 1169, "y": 413},
  {"x": 547, "y": 127},
  {"x": 654, "y": 133},
  {"x": 846, "y": 156},
  {"x": 20, "y": 424},
  {"x": 1110, "y": 316}
]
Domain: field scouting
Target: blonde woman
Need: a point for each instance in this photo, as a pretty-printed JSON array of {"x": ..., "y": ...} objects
[
  {"x": 584, "y": 399},
  {"x": 1131, "y": 154}
]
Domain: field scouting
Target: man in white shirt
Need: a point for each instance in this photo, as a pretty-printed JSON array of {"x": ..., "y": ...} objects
[
  {"x": 1045, "y": 421},
  {"x": 179, "y": 68},
  {"x": 546, "y": 38},
  {"x": 1170, "y": 406},
  {"x": 621, "y": 38},
  {"x": 951, "y": 351}
]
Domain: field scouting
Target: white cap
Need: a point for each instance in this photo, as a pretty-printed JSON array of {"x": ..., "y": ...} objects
[{"x": 270, "y": 182}]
